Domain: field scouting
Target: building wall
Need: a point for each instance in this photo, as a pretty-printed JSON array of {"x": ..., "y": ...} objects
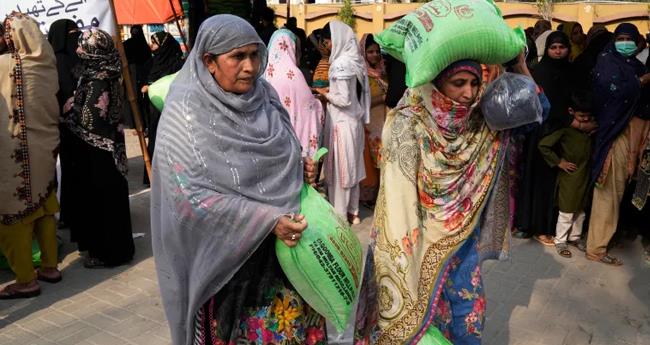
[{"x": 372, "y": 18}]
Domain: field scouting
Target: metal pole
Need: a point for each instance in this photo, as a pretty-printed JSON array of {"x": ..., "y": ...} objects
[
  {"x": 178, "y": 25},
  {"x": 288, "y": 9},
  {"x": 137, "y": 117}
]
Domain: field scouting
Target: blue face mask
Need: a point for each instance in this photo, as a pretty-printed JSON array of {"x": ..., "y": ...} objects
[{"x": 626, "y": 48}]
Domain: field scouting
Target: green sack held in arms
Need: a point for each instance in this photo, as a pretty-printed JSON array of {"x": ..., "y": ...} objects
[
  {"x": 442, "y": 32},
  {"x": 325, "y": 266},
  {"x": 159, "y": 89}
]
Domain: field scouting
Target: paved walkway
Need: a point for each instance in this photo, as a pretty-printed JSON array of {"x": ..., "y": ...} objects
[{"x": 537, "y": 298}]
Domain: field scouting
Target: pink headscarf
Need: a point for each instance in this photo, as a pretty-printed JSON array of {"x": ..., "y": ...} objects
[{"x": 282, "y": 72}]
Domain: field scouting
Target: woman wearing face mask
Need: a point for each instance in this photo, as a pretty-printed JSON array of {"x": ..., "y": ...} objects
[
  {"x": 621, "y": 104},
  {"x": 444, "y": 176},
  {"x": 348, "y": 109},
  {"x": 227, "y": 172},
  {"x": 167, "y": 59},
  {"x": 378, "y": 88}
]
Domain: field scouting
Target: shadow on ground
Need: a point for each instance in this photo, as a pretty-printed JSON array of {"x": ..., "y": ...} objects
[{"x": 78, "y": 279}]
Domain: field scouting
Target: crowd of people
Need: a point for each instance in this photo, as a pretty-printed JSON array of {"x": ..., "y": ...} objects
[{"x": 233, "y": 146}]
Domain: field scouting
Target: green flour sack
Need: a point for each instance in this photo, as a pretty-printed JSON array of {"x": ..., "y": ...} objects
[
  {"x": 325, "y": 266},
  {"x": 159, "y": 89},
  {"x": 433, "y": 336},
  {"x": 442, "y": 32}
]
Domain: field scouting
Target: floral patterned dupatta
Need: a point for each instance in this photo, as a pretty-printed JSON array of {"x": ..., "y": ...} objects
[{"x": 441, "y": 162}]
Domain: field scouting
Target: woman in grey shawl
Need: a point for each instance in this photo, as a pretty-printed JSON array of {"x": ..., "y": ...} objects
[{"x": 227, "y": 172}]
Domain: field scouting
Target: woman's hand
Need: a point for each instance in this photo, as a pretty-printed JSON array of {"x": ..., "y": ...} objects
[
  {"x": 310, "y": 171},
  {"x": 521, "y": 67},
  {"x": 145, "y": 89},
  {"x": 68, "y": 105},
  {"x": 644, "y": 79},
  {"x": 289, "y": 230},
  {"x": 322, "y": 93}
]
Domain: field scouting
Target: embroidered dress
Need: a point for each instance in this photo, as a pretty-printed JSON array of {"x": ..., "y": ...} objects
[
  {"x": 95, "y": 160},
  {"x": 305, "y": 111},
  {"x": 259, "y": 306},
  {"x": 442, "y": 177},
  {"x": 29, "y": 118}
]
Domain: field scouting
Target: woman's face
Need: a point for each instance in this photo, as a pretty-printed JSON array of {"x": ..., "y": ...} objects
[
  {"x": 236, "y": 70},
  {"x": 624, "y": 38},
  {"x": 577, "y": 36},
  {"x": 558, "y": 51},
  {"x": 462, "y": 87},
  {"x": 154, "y": 46},
  {"x": 373, "y": 55}
]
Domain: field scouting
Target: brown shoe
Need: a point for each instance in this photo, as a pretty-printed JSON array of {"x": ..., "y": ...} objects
[
  {"x": 604, "y": 259},
  {"x": 16, "y": 290}
]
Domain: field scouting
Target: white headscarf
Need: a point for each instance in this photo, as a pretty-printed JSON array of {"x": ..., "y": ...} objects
[{"x": 346, "y": 61}]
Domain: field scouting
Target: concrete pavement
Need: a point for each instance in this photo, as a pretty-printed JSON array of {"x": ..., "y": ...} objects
[{"x": 537, "y": 298}]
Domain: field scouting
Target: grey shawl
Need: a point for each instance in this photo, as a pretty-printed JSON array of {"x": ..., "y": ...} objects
[{"x": 226, "y": 166}]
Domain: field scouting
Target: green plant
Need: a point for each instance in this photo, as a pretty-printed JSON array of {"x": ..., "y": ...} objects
[
  {"x": 346, "y": 13},
  {"x": 545, "y": 8}
]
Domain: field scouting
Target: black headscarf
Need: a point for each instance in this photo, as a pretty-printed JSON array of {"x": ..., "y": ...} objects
[
  {"x": 618, "y": 96},
  {"x": 167, "y": 59},
  {"x": 557, "y": 79},
  {"x": 585, "y": 62},
  {"x": 65, "y": 43},
  {"x": 136, "y": 48}
]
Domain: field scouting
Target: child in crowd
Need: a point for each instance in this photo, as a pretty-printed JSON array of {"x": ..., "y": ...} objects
[{"x": 569, "y": 149}]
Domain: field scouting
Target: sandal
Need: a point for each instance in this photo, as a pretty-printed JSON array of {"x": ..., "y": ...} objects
[
  {"x": 49, "y": 279},
  {"x": 563, "y": 250},
  {"x": 545, "y": 240},
  {"x": 605, "y": 259},
  {"x": 94, "y": 263},
  {"x": 353, "y": 219},
  {"x": 579, "y": 244},
  {"x": 12, "y": 292}
]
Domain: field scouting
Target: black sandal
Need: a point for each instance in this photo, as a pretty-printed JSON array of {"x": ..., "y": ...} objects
[
  {"x": 605, "y": 259},
  {"x": 94, "y": 263},
  {"x": 563, "y": 250}
]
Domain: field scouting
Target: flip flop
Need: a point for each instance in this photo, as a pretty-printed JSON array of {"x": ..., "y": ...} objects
[
  {"x": 94, "y": 263},
  {"x": 563, "y": 250},
  {"x": 9, "y": 292},
  {"x": 547, "y": 242},
  {"x": 47, "y": 279},
  {"x": 605, "y": 259}
]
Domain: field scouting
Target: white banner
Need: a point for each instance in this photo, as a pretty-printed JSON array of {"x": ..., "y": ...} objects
[{"x": 86, "y": 13}]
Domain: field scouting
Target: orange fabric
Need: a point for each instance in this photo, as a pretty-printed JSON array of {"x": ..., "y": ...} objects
[{"x": 130, "y": 12}]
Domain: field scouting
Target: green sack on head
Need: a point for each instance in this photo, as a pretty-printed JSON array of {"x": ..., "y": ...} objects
[
  {"x": 325, "y": 266},
  {"x": 442, "y": 32},
  {"x": 159, "y": 89}
]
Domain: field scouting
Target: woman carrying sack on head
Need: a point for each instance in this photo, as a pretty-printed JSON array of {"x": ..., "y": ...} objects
[
  {"x": 444, "y": 190},
  {"x": 227, "y": 173}
]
